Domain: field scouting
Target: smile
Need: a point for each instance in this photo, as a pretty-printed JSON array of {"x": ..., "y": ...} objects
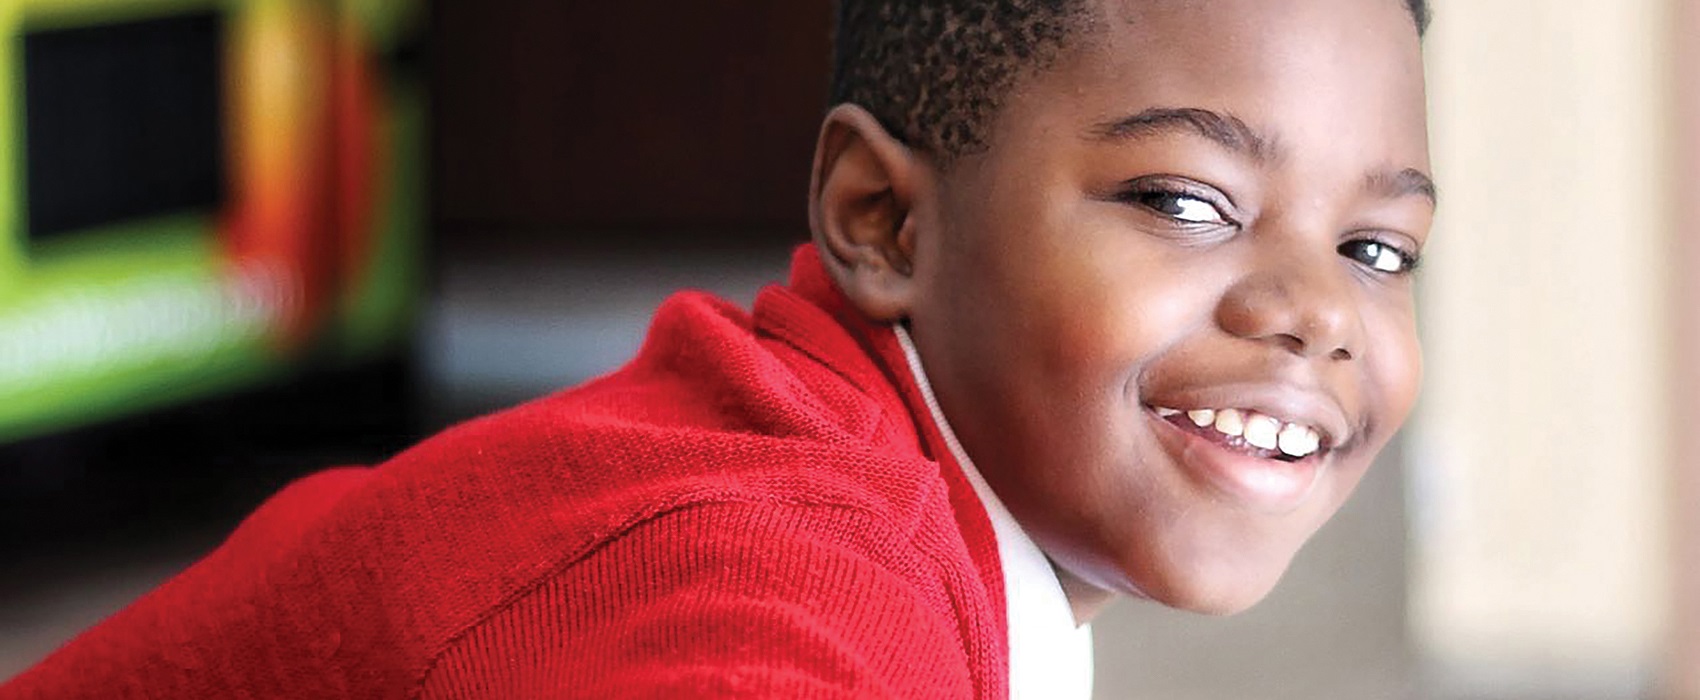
[
  {"x": 1253, "y": 459},
  {"x": 1253, "y": 433}
]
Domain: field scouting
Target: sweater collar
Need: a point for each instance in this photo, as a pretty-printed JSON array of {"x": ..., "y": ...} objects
[
  {"x": 812, "y": 316},
  {"x": 1049, "y": 657}
]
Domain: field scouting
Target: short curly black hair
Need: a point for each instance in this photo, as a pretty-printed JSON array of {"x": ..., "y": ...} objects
[{"x": 932, "y": 71}]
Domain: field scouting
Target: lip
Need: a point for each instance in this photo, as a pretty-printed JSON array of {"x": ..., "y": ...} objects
[{"x": 1266, "y": 486}]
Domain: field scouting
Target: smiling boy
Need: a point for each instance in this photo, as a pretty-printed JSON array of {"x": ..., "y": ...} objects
[
  {"x": 1203, "y": 206},
  {"x": 1106, "y": 298}
]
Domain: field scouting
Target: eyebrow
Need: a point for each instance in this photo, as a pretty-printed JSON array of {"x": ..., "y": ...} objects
[
  {"x": 1403, "y": 183},
  {"x": 1229, "y": 131},
  {"x": 1234, "y": 134}
]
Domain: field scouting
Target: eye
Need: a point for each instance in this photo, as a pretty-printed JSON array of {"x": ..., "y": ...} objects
[
  {"x": 1379, "y": 256},
  {"x": 1181, "y": 206}
]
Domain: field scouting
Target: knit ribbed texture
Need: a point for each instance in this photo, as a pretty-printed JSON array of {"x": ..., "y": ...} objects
[{"x": 751, "y": 508}]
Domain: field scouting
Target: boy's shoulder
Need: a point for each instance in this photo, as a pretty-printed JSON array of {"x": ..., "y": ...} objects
[
  {"x": 718, "y": 406},
  {"x": 715, "y": 409},
  {"x": 723, "y": 438}
]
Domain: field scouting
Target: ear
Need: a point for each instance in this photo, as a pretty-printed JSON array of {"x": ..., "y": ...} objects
[{"x": 861, "y": 199}]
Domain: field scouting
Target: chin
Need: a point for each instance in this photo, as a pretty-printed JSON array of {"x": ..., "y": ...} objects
[
  {"x": 1217, "y": 588},
  {"x": 1219, "y": 601}
]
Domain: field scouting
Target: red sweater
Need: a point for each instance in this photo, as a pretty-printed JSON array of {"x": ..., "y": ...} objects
[{"x": 756, "y": 506}]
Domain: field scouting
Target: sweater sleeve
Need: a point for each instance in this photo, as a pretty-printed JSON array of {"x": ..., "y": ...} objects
[
  {"x": 739, "y": 600},
  {"x": 220, "y": 629}
]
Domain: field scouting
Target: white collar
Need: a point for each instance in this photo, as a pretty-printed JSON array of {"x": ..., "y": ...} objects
[{"x": 1048, "y": 656}]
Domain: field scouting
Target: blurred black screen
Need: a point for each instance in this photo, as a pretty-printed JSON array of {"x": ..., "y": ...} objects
[{"x": 122, "y": 121}]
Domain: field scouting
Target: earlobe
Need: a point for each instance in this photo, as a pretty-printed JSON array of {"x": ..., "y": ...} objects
[{"x": 861, "y": 211}]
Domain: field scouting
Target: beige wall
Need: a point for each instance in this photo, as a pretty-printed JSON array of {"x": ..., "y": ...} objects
[
  {"x": 1542, "y": 446},
  {"x": 1683, "y": 658}
]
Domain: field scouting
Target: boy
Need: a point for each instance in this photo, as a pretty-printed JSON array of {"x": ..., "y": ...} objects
[{"x": 1106, "y": 297}]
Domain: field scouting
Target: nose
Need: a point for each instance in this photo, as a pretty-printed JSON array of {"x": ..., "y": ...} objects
[{"x": 1302, "y": 303}]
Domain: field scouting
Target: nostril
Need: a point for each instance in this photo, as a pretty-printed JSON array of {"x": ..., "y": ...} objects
[
  {"x": 1341, "y": 354},
  {"x": 1292, "y": 342}
]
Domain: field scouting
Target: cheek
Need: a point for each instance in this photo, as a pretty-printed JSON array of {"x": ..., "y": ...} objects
[
  {"x": 1396, "y": 368},
  {"x": 1124, "y": 299}
]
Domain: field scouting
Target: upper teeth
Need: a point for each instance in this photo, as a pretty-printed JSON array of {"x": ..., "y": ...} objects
[{"x": 1259, "y": 430}]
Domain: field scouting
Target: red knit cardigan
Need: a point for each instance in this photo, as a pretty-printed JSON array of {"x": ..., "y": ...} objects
[{"x": 758, "y": 505}]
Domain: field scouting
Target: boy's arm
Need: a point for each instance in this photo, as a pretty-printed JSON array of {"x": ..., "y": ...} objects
[
  {"x": 722, "y": 600},
  {"x": 219, "y": 629}
]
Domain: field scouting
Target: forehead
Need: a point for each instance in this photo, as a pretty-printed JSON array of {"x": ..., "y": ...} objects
[{"x": 1345, "y": 73}]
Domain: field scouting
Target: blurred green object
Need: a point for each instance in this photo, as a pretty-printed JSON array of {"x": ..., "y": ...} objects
[{"x": 198, "y": 196}]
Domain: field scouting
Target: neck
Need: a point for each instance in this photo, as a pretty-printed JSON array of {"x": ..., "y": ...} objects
[{"x": 1085, "y": 599}]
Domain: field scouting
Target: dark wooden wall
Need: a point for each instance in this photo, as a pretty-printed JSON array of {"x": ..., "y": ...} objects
[{"x": 578, "y": 118}]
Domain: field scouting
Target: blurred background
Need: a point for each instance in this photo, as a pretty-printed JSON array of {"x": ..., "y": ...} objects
[{"x": 244, "y": 240}]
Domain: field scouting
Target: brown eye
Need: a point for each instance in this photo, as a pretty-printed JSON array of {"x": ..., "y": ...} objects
[
  {"x": 1182, "y": 207},
  {"x": 1379, "y": 256}
]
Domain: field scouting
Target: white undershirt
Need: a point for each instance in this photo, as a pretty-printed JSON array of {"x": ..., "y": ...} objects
[{"x": 1049, "y": 657}]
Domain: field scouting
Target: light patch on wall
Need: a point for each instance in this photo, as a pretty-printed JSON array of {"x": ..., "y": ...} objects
[{"x": 1541, "y": 445}]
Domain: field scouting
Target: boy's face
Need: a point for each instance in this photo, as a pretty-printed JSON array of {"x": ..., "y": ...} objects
[{"x": 1201, "y": 206}]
